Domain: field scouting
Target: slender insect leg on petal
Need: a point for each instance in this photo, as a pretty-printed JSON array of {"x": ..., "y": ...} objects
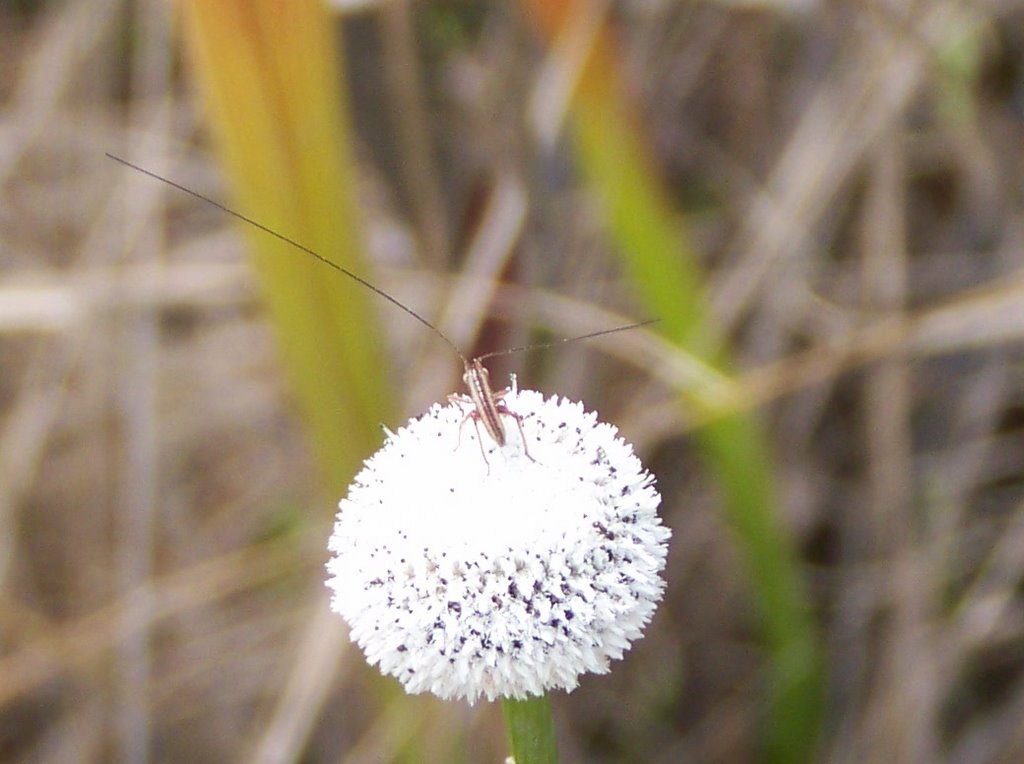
[
  {"x": 501, "y": 408},
  {"x": 458, "y": 399}
]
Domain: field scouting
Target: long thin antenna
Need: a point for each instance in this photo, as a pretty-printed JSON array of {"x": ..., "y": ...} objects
[
  {"x": 292, "y": 242},
  {"x": 488, "y": 407},
  {"x": 568, "y": 339},
  {"x": 360, "y": 280}
]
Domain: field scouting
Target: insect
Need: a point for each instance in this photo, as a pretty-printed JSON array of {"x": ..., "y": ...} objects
[{"x": 487, "y": 405}]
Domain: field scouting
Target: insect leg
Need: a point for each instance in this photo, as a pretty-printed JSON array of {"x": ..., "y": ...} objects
[
  {"x": 456, "y": 398},
  {"x": 503, "y": 409},
  {"x": 479, "y": 440}
]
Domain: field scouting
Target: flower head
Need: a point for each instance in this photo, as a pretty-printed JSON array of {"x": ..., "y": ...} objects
[{"x": 465, "y": 569}]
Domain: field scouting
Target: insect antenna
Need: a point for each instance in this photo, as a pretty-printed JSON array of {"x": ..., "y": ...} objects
[
  {"x": 360, "y": 280},
  {"x": 568, "y": 339},
  {"x": 488, "y": 407},
  {"x": 292, "y": 242}
]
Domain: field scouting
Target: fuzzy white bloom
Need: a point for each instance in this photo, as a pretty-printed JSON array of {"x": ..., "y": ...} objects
[{"x": 506, "y": 576}]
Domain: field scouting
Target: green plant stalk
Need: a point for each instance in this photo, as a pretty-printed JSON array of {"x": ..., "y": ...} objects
[
  {"x": 530, "y": 728},
  {"x": 271, "y": 75},
  {"x": 273, "y": 92},
  {"x": 663, "y": 270},
  {"x": 651, "y": 242},
  {"x": 666, "y": 274}
]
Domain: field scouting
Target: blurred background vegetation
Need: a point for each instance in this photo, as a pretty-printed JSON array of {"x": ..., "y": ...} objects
[{"x": 822, "y": 201}]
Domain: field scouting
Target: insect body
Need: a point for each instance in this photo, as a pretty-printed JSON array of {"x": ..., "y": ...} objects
[{"x": 487, "y": 406}]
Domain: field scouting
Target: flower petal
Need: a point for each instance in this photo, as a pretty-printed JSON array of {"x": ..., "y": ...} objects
[{"x": 466, "y": 569}]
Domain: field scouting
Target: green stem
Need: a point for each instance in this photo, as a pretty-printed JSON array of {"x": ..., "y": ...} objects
[
  {"x": 667, "y": 275},
  {"x": 531, "y": 730}
]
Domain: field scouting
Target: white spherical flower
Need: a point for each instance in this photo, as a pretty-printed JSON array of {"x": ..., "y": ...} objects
[{"x": 468, "y": 569}]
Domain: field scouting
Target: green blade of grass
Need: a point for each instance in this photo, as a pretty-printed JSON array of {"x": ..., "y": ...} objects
[
  {"x": 666, "y": 275},
  {"x": 273, "y": 91}
]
